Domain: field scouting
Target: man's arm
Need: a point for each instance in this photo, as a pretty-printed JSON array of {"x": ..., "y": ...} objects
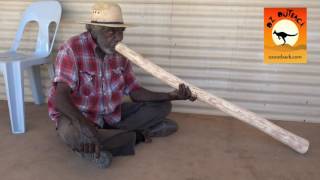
[
  {"x": 142, "y": 95},
  {"x": 64, "y": 104},
  {"x": 87, "y": 129}
]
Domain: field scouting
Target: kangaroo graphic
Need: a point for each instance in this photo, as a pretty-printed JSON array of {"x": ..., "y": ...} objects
[{"x": 283, "y": 35}]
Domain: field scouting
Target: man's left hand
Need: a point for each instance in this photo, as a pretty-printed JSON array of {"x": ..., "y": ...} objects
[{"x": 183, "y": 93}]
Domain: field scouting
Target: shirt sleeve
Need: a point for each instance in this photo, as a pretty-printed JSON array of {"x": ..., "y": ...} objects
[
  {"x": 131, "y": 83},
  {"x": 66, "y": 68}
]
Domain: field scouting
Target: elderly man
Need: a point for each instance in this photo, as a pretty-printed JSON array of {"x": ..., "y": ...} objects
[{"x": 91, "y": 79}]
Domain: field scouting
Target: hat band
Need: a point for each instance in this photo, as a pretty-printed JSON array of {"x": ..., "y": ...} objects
[{"x": 106, "y": 22}]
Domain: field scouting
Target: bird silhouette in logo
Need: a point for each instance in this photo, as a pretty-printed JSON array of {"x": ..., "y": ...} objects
[{"x": 283, "y": 35}]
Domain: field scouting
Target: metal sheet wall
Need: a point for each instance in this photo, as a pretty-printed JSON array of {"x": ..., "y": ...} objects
[{"x": 216, "y": 45}]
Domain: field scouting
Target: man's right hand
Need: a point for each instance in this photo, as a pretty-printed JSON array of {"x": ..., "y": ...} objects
[
  {"x": 89, "y": 142},
  {"x": 89, "y": 138}
]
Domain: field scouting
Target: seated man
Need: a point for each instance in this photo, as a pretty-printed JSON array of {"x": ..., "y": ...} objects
[{"x": 91, "y": 79}]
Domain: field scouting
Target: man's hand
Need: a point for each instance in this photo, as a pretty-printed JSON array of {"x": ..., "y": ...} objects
[
  {"x": 183, "y": 93},
  {"x": 89, "y": 138},
  {"x": 89, "y": 142}
]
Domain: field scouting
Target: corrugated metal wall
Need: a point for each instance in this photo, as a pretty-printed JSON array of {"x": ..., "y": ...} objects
[{"x": 215, "y": 44}]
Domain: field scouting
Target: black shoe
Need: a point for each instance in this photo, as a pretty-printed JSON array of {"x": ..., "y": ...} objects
[{"x": 165, "y": 128}]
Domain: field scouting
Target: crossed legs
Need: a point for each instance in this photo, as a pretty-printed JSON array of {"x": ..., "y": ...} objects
[{"x": 120, "y": 139}]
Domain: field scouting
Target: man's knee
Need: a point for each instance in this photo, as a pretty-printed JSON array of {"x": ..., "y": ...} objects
[
  {"x": 167, "y": 107},
  {"x": 163, "y": 108}
]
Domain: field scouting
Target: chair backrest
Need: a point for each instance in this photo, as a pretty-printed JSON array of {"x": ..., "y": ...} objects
[{"x": 44, "y": 13}]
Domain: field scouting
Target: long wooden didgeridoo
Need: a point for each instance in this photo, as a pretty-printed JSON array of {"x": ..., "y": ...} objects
[{"x": 297, "y": 143}]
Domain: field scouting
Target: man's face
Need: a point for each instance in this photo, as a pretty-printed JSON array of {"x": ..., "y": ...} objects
[{"x": 107, "y": 38}]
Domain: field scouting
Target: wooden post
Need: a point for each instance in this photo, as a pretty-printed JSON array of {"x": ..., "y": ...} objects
[{"x": 297, "y": 143}]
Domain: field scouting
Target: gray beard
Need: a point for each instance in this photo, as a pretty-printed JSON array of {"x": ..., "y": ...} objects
[
  {"x": 103, "y": 53},
  {"x": 107, "y": 51}
]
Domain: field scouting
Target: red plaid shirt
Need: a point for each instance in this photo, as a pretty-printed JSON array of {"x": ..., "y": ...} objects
[{"x": 97, "y": 85}]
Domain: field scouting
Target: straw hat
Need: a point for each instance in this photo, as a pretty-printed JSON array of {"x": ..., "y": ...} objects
[{"x": 106, "y": 14}]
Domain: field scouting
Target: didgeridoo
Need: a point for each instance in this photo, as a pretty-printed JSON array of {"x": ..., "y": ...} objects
[{"x": 297, "y": 143}]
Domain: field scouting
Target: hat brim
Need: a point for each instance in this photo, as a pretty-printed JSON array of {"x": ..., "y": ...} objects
[{"x": 109, "y": 25}]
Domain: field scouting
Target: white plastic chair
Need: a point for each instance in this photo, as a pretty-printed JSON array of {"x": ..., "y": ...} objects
[{"x": 13, "y": 63}]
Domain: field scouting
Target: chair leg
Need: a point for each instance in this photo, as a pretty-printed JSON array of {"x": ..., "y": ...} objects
[
  {"x": 15, "y": 95},
  {"x": 35, "y": 83},
  {"x": 51, "y": 71}
]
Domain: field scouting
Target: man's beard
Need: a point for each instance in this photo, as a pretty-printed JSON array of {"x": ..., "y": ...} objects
[{"x": 108, "y": 50}]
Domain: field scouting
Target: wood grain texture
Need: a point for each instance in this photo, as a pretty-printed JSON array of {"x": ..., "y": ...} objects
[{"x": 297, "y": 143}]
